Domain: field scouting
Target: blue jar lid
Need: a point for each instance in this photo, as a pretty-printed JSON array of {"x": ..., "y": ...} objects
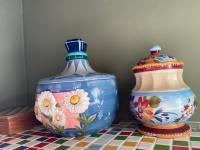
[{"x": 76, "y": 45}]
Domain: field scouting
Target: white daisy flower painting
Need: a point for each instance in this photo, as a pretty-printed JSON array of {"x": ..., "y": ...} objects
[
  {"x": 46, "y": 103},
  {"x": 77, "y": 101},
  {"x": 59, "y": 118}
]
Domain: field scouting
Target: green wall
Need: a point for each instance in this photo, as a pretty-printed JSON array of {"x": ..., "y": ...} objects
[{"x": 119, "y": 33}]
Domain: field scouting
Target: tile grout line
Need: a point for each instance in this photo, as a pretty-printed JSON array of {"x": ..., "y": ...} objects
[
  {"x": 120, "y": 127},
  {"x": 139, "y": 140},
  {"x": 155, "y": 142},
  {"x": 95, "y": 140},
  {"x": 119, "y": 146},
  {"x": 109, "y": 141},
  {"x": 125, "y": 140}
]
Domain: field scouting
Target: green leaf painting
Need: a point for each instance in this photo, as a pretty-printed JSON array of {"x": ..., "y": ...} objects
[
  {"x": 81, "y": 120},
  {"x": 85, "y": 121},
  {"x": 91, "y": 118}
]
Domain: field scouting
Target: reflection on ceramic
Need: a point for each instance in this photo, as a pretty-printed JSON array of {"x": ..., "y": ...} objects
[
  {"x": 161, "y": 100},
  {"x": 79, "y": 100}
]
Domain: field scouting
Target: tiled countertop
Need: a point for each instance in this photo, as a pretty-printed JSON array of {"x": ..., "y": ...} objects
[{"x": 119, "y": 136}]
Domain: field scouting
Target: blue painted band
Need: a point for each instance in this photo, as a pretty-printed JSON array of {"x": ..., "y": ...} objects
[{"x": 165, "y": 93}]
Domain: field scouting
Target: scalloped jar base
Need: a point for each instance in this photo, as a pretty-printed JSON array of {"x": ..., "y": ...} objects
[{"x": 166, "y": 131}]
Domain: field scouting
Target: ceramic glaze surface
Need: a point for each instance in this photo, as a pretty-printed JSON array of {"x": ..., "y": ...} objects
[
  {"x": 163, "y": 108},
  {"x": 160, "y": 98},
  {"x": 80, "y": 100}
]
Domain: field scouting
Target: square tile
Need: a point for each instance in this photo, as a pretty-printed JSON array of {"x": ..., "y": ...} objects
[
  {"x": 103, "y": 131},
  {"x": 40, "y": 145},
  {"x": 145, "y": 145},
  {"x": 180, "y": 143},
  {"x": 26, "y": 136},
  {"x": 126, "y": 148},
  {"x": 79, "y": 138},
  {"x": 182, "y": 139},
  {"x": 51, "y": 146},
  {"x": 110, "y": 147},
  {"x": 23, "y": 142},
  {"x": 121, "y": 138},
  {"x": 60, "y": 141},
  {"x": 21, "y": 148},
  {"x": 75, "y": 148},
  {"x": 180, "y": 148},
  {"x": 196, "y": 134},
  {"x": 130, "y": 144},
  {"x": 81, "y": 144},
  {"x": 160, "y": 141},
  {"x": 70, "y": 143},
  {"x": 31, "y": 143},
  {"x": 96, "y": 135},
  {"x": 107, "y": 136},
  {"x": 89, "y": 139},
  {"x": 125, "y": 133},
  {"x": 42, "y": 139},
  {"x": 195, "y": 148},
  {"x": 195, "y": 144},
  {"x": 4, "y": 145},
  {"x": 34, "y": 137},
  {"x": 194, "y": 138},
  {"x": 101, "y": 141},
  {"x": 13, "y": 146},
  {"x": 112, "y": 132},
  {"x": 148, "y": 140},
  {"x": 136, "y": 134},
  {"x": 62, "y": 147},
  {"x": 134, "y": 138},
  {"x": 7, "y": 139},
  {"x": 116, "y": 142},
  {"x": 94, "y": 147},
  {"x": 32, "y": 148},
  {"x": 51, "y": 140},
  {"x": 161, "y": 147}
]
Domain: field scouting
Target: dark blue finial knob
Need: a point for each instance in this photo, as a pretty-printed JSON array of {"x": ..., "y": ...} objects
[{"x": 76, "y": 45}]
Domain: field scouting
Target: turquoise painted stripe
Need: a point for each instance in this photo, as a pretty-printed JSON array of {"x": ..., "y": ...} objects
[
  {"x": 77, "y": 53},
  {"x": 76, "y": 57}
]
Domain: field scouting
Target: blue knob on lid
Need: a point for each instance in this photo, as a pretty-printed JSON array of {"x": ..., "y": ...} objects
[{"x": 76, "y": 45}]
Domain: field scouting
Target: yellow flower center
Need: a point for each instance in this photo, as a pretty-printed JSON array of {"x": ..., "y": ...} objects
[
  {"x": 57, "y": 117},
  {"x": 74, "y": 99},
  {"x": 46, "y": 102}
]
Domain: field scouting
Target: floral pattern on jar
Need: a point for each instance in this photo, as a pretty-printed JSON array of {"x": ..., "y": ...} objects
[
  {"x": 160, "y": 109},
  {"x": 58, "y": 113}
]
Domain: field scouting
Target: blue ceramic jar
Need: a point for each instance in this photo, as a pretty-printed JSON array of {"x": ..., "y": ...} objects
[{"x": 79, "y": 101}]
